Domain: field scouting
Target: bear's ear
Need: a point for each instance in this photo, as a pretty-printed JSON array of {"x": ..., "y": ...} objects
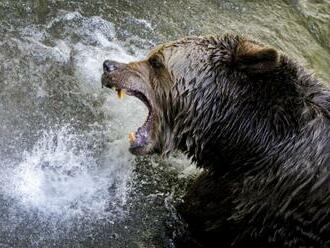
[{"x": 255, "y": 58}]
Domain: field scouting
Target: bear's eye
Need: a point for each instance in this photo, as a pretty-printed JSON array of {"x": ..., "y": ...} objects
[{"x": 155, "y": 62}]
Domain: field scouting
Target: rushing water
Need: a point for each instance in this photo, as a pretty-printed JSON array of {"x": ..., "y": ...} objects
[{"x": 67, "y": 178}]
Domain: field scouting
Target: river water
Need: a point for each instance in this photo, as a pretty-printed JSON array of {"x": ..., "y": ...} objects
[{"x": 66, "y": 176}]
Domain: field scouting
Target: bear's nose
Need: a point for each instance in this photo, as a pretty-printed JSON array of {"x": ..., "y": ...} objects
[{"x": 109, "y": 66}]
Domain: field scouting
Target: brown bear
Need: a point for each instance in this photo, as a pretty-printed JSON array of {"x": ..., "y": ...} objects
[{"x": 259, "y": 125}]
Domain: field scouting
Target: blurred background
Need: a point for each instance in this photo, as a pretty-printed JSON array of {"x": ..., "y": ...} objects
[{"x": 66, "y": 176}]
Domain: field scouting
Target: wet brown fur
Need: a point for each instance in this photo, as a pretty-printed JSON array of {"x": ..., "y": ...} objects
[{"x": 259, "y": 125}]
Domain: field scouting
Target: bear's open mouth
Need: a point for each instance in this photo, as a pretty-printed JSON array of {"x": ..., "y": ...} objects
[{"x": 140, "y": 139}]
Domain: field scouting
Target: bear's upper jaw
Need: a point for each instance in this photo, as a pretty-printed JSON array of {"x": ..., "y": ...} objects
[{"x": 140, "y": 140}]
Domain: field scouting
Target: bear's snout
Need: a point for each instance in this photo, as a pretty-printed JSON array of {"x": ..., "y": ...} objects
[{"x": 110, "y": 66}]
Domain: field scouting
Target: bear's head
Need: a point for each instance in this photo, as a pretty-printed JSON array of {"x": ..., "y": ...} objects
[{"x": 207, "y": 96}]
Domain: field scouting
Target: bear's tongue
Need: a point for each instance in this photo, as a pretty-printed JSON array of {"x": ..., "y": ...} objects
[{"x": 138, "y": 138}]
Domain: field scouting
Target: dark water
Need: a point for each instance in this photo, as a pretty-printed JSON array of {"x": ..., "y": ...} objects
[{"x": 67, "y": 178}]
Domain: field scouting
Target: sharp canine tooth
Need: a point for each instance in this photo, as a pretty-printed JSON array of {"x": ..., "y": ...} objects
[
  {"x": 131, "y": 137},
  {"x": 120, "y": 93}
]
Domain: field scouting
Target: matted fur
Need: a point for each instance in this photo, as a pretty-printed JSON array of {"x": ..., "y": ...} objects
[{"x": 258, "y": 124}]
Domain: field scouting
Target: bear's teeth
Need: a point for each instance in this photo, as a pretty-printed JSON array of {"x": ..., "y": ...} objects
[
  {"x": 120, "y": 93},
  {"x": 132, "y": 137}
]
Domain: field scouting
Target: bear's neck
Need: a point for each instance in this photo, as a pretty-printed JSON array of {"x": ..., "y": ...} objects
[
  {"x": 221, "y": 138},
  {"x": 225, "y": 123}
]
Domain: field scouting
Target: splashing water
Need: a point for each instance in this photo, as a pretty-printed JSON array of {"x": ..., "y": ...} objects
[
  {"x": 61, "y": 190},
  {"x": 71, "y": 171},
  {"x": 60, "y": 176}
]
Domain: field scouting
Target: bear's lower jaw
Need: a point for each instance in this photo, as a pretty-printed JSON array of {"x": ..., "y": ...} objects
[{"x": 140, "y": 141}]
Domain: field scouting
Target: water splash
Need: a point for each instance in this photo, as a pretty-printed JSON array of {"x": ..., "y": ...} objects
[{"x": 60, "y": 176}]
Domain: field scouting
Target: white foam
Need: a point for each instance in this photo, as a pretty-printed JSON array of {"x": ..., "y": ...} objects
[
  {"x": 60, "y": 176},
  {"x": 144, "y": 22}
]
